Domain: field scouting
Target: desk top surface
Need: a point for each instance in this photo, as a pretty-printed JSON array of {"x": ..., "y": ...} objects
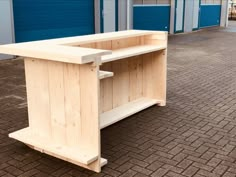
[{"x": 67, "y": 50}]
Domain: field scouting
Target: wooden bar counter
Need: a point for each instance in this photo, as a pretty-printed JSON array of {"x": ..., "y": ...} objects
[{"x": 78, "y": 85}]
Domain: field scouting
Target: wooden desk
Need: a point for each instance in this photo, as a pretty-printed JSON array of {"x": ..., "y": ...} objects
[{"x": 76, "y": 86}]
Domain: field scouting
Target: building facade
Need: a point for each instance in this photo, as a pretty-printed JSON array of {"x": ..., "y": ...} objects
[
  {"x": 27, "y": 20},
  {"x": 177, "y": 16}
]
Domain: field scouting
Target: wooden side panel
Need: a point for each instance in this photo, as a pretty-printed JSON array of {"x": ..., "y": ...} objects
[
  {"x": 56, "y": 92},
  {"x": 155, "y": 86},
  {"x": 160, "y": 70},
  {"x": 72, "y": 104},
  {"x": 89, "y": 111},
  {"x": 154, "y": 76},
  {"x": 63, "y": 104},
  {"x": 38, "y": 96}
]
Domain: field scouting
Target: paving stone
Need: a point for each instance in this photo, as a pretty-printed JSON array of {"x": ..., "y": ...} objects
[
  {"x": 160, "y": 172},
  {"x": 142, "y": 170},
  {"x": 193, "y": 136},
  {"x": 129, "y": 173},
  {"x": 190, "y": 171}
]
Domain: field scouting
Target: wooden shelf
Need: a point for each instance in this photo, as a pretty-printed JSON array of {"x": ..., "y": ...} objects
[
  {"x": 74, "y": 155},
  {"x": 105, "y": 74},
  {"x": 119, "y": 113},
  {"x": 131, "y": 51}
]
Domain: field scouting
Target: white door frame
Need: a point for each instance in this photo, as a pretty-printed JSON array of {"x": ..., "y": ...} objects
[
  {"x": 196, "y": 14},
  {"x": 179, "y": 16}
]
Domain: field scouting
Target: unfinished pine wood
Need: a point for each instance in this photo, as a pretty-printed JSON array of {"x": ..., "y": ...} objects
[
  {"x": 135, "y": 77},
  {"x": 57, "y": 104},
  {"x": 103, "y": 162},
  {"x": 66, "y": 118},
  {"x": 78, "y": 40},
  {"x": 131, "y": 51},
  {"x": 105, "y": 74},
  {"x": 72, "y": 108},
  {"x": 126, "y": 110},
  {"x": 45, "y": 145},
  {"x": 62, "y": 53},
  {"x": 105, "y": 84},
  {"x": 89, "y": 110},
  {"x": 78, "y": 85},
  {"x": 106, "y": 90},
  {"x": 38, "y": 98},
  {"x": 159, "y": 70}
]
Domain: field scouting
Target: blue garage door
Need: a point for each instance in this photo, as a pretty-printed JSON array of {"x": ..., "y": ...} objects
[
  {"x": 152, "y": 17},
  {"x": 45, "y": 19},
  {"x": 210, "y": 15}
]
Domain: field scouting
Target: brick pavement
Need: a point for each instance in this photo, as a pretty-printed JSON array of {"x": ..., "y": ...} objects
[{"x": 193, "y": 136}]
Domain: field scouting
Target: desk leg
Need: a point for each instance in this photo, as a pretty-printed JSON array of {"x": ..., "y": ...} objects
[
  {"x": 63, "y": 112},
  {"x": 154, "y": 76}
]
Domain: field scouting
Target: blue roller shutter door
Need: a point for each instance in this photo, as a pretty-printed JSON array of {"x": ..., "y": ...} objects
[
  {"x": 46, "y": 19},
  {"x": 210, "y": 15},
  {"x": 152, "y": 17}
]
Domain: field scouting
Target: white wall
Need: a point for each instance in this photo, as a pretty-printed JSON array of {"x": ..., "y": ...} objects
[
  {"x": 224, "y": 13},
  {"x": 6, "y": 25},
  {"x": 125, "y": 15}
]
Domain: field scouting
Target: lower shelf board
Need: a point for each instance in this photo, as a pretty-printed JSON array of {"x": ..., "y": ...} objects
[
  {"x": 126, "y": 110},
  {"x": 73, "y": 155},
  {"x": 103, "y": 162}
]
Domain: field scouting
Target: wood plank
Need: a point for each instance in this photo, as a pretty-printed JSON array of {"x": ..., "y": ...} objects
[
  {"x": 89, "y": 111},
  {"x": 105, "y": 74},
  {"x": 135, "y": 78},
  {"x": 159, "y": 75},
  {"x": 44, "y": 145},
  {"x": 77, "y": 40},
  {"x": 72, "y": 104},
  {"x": 57, "y": 106},
  {"x": 123, "y": 53},
  {"x": 106, "y": 90},
  {"x": 148, "y": 89},
  {"x": 106, "y": 84},
  {"x": 120, "y": 83},
  {"x": 38, "y": 98},
  {"x": 126, "y": 110},
  {"x": 104, "y": 45},
  {"x": 121, "y": 70},
  {"x": 103, "y": 162},
  {"x": 62, "y": 53}
]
